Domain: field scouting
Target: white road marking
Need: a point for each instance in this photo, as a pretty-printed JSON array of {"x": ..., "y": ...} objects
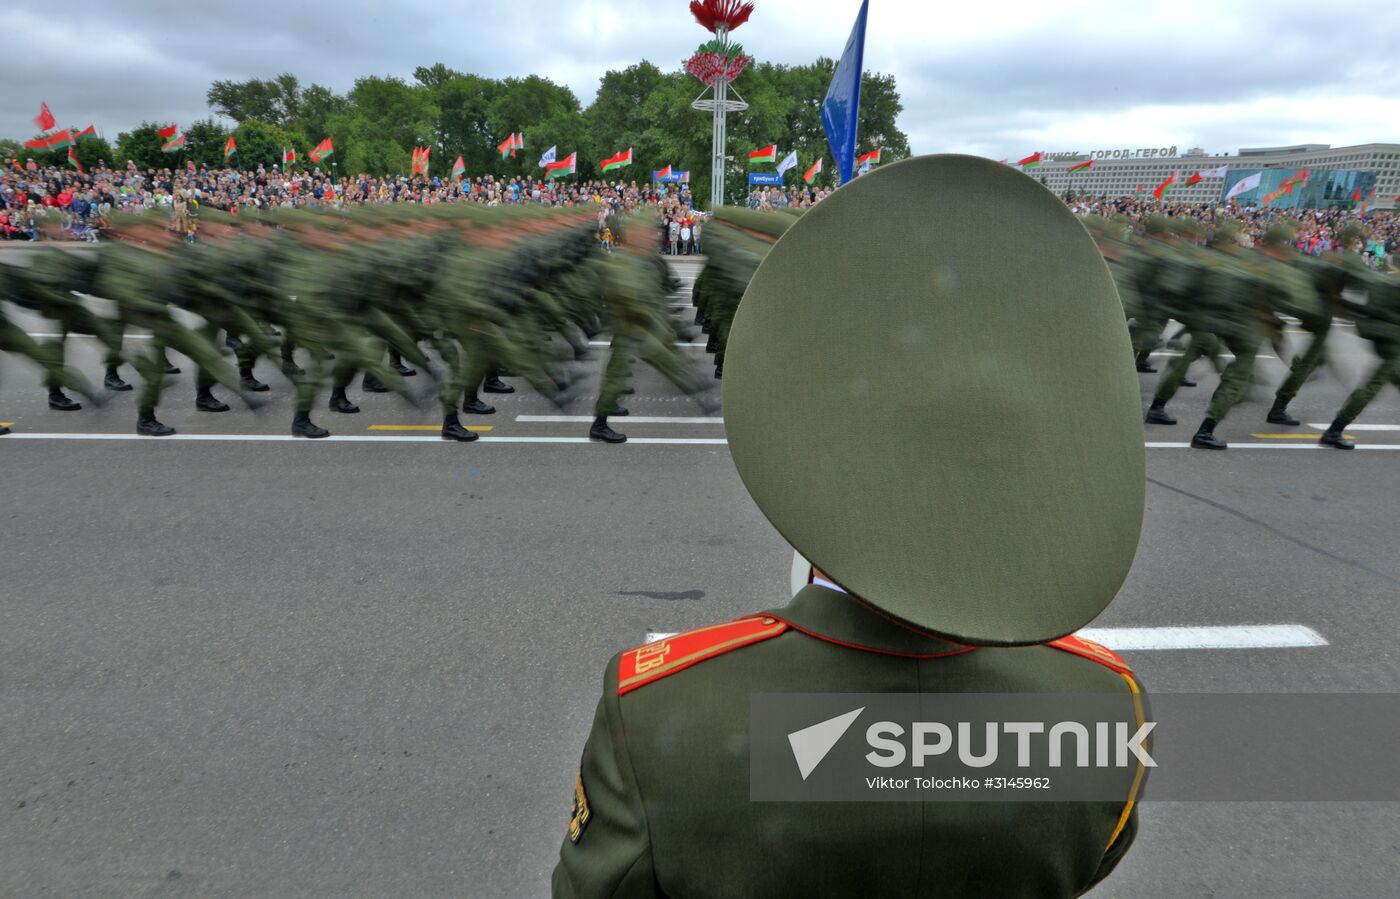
[
  {"x": 1239, "y": 636},
  {"x": 609, "y": 343},
  {"x": 53, "y": 334},
  {"x": 1322, "y": 427},
  {"x": 1280, "y": 445},
  {"x": 621, "y": 422},
  {"x": 631, "y": 419},
  {"x": 1140, "y": 639},
  {"x": 1222, "y": 355},
  {"x": 356, "y": 438}
]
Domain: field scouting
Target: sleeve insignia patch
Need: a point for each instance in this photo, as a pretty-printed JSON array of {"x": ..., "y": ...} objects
[{"x": 581, "y": 814}]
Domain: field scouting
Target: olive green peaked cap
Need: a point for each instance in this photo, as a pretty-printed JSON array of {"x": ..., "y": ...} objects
[{"x": 929, "y": 391}]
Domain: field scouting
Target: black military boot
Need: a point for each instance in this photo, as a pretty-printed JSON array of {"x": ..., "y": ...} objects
[
  {"x": 601, "y": 431},
  {"x": 60, "y": 402},
  {"x": 1187, "y": 382},
  {"x": 113, "y": 380},
  {"x": 1157, "y": 414},
  {"x": 1278, "y": 415},
  {"x": 4, "y": 430},
  {"x": 404, "y": 369},
  {"x": 302, "y": 426},
  {"x": 1143, "y": 365},
  {"x": 1205, "y": 437},
  {"x": 250, "y": 382},
  {"x": 339, "y": 403},
  {"x": 372, "y": 384},
  {"x": 476, "y": 407},
  {"x": 452, "y": 429},
  {"x": 147, "y": 426},
  {"x": 495, "y": 385},
  {"x": 205, "y": 401},
  {"x": 1334, "y": 437},
  {"x": 170, "y": 367},
  {"x": 712, "y": 344}
]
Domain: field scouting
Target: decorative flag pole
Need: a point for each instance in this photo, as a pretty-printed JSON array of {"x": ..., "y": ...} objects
[{"x": 717, "y": 63}]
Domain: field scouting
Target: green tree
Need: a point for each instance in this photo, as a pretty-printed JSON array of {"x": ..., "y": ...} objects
[
  {"x": 259, "y": 144},
  {"x": 463, "y": 125},
  {"x": 546, "y": 113},
  {"x": 618, "y": 119},
  {"x": 204, "y": 143},
  {"x": 142, "y": 146},
  {"x": 91, "y": 153},
  {"x": 317, "y": 107},
  {"x": 275, "y": 101}
]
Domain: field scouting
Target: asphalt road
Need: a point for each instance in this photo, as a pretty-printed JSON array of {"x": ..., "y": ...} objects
[{"x": 335, "y": 668}]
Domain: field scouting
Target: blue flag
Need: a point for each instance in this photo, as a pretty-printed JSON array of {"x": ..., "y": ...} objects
[{"x": 841, "y": 108}]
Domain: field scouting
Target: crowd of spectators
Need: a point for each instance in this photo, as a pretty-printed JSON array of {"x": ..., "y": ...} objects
[
  {"x": 32, "y": 198},
  {"x": 83, "y": 201},
  {"x": 780, "y": 197},
  {"x": 1317, "y": 228}
]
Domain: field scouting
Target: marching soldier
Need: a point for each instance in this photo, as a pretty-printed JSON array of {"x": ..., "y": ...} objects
[
  {"x": 1330, "y": 276},
  {"x": 636, "y": 290},
  {"x": 956, "y": 561},
  {"x": 135, "y": 273},
  {"x": 1377, "y": 320}
]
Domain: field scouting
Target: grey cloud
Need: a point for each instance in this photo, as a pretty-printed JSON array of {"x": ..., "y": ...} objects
[{"x": 116, "y": 65}]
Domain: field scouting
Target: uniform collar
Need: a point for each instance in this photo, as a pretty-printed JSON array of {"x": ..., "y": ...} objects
[{"x": 838, "y": 617}]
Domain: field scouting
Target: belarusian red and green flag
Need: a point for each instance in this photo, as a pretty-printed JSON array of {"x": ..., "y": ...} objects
[
  {"x": 44, "y": 119},
  {"x": 871, "y": 158},
  {"x": 814, "y": 171},
  {"x": 1081, "y": 167},
  {"x": 73, "y": 160},
  {"x": 60, "y": 140},
  {"x": 420, "y": 160},
  {"x": 289, "y": 156},
  {"x": 566, "y": 166},
  {"x": 230, "y": 148},
  {"x": 1165, "y": 186},
  {"x": 764, "y": 154},
  {"x": 1195, "y": 177},
  {"x": 88, "y": 133},
  {"x": 617, "y": 161},
  {"x": 174, "y": 145},
  {"x": 459, "y": 169},
  {"x": 507, "y": 147},
  {"x": 168, "y": 132},
  {"x": 323, "y": 149},
  {"x": 1030, "y": 161}
]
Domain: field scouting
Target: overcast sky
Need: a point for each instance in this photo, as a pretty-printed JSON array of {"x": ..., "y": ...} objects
[{"x": 997, "y": 79}]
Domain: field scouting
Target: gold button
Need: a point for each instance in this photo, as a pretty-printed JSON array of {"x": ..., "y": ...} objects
[{"x": 767, "y": 620}]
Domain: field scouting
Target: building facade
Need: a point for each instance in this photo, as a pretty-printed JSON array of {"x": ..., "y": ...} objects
[{"x": 1334, "y": 173}]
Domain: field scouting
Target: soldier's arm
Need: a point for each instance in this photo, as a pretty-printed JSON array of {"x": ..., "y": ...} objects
[{"x": 607, "y": 849}]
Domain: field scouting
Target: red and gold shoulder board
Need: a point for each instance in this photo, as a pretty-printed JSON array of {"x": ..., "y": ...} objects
[
  {"x": 639, "y": 667},
  {"x": 1094, "y": 651}
]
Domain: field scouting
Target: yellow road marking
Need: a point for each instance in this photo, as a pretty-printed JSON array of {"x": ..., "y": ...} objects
[
  {"x": 424, "y": 427},
  {"x": 1295, "y": 436},
  {"x": 5, "y": 424}
]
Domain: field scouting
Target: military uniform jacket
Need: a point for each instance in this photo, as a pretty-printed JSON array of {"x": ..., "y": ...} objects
[{"x": 661, "y": 805}]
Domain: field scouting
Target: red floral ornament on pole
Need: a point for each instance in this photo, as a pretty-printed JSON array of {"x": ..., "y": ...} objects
[
  {"x": 715, "y": 15},
  {"x": 716, "y": 63}
]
